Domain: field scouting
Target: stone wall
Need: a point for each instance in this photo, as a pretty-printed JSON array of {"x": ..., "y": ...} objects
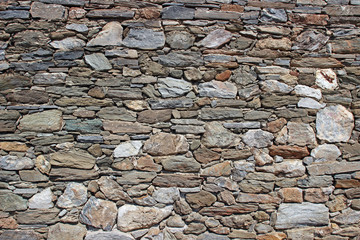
[{"x": 183, "y": 119}]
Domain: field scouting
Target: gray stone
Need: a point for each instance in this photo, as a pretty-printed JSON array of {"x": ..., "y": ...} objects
[
  {"x": 258, "y": 138},
  {"x": 14, "y": 14},
  {"x": 78, "y": 3},
  {"x": 49, "y": 78},
  {"x": 98, "y": 61},
  {"x": 310, "y": 103},
  {"x": 347, "y": 217},
  {"x": 243, "y": 125},
  {"x": 128, "y": 217},
  {"x": 244, "y": 75},
  {"x": 145, "y": 39},
  {"x": 72, "y": 174},
  {"x": 32, "y": 66},
  {"x": 62, "y": 231},
  {"x": 220, "y": 113},
  {"x": 329, "y": 168},
  {"x": 47, "y": 11},
  {"x": 315, "y": 181},
  {"x": 16, "y": 163},
  {"x": 329, "y": 152},
  {"x": 42, "y": 200},
  {"x": 166, "y": 195},
  {"x": 47, "y": 121},
  {"x": 128, "y": 149},
  {"x": 181, "y": 59},
  {"x": 301, "y": 215},
  {"x": 217, "y": 136},
  {"x": 172, "y": 87},
  {"x": 217, "y": 89},
  {"x": 83, "y": 126},
  {"x": 81, "y": 28},
  {"x": 115, "y": 113},
  {"x": 274, "y": 86},
  {"x": 90, "y": 139},
  {"x": 111, "y": 13},
  {"x": 241, "y": 43},
  {"x": 216, "y": 38},
  {"x": 212, "y": 236},
  {"x": 74, "y": 158},
  {"x": 113, "y": 235},
  {"x": 301, "y": 134},
  {"x": 64, "y": 55},
  {"x": 273, "y": 15},
  {"x": 248, "y": 92},
  {"x": 10, "y": 202},
  {"x": 178, "y": 13},
  {"x": 110, "y": 35},
  {"x": 20, "y": 235},
  {"x": 310, "y": 41},
  {"x": 163, "y": 144},
  {"x": 111, "y": 189},
  {"x": 68, "y": 44},
  {"x": 180, "y": 40},
  {"x": 334, "y": 124},
  {"x": 136, "y": 177},
  {"x": 75, "y": 195},
  {"x": 216, "y": 15},
  {"x": 99, "y": 213},
  {"x": 172, "y": 103},
  {"x": 306, "y": 91},
  {"x": 180, "y": 164}
]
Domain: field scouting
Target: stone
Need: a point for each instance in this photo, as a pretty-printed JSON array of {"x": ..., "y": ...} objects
[
  {"x": 46, "y": 121},
  {"x": 111, "y": 189},
  {"x": 326, "y": 79},
  {"x": 180, "y": 39},
  {"x": 125, "y": 127},
  {"x": 10, "y": 202},
  {"x": 291, "y": 152},
  {"x": 99, "y": 213},
  {"x": 195, "y": 228},
  {"x": 329, "y": 152},
  {"x": 334, "y": 124},
  {"x": 13, "y": 146},
  {"x": 216, "y": 15},
  {"x": 110, "y": 13},
  {"x": 71, "y": 174},
  {"x": 128, "y": 217},
  {"x": 42, "y": 200},
  {"x": 261, "y": 157},
  {"x": 154, "y": 116},
  {"x": 217, "y": 170},
  {"x": 332, "y": 168},
  {"x": 178, "y": 13},
  {"x": 14, "y": 14},
  {"x": 242, "y": 234},
  {"x": 75, "y": 195},
  {"x": 309, "y": 19},
  {"x": 98, "y": 61},
  {"x": 216, "y": 38},
  {"x": 146, "y": 163},
  {"x": 204, "y": 155},
  {"x": 48, "y": 11},
  {"x": 258, "y": 138},
  {"x": 136, "y": 177},
  {"x": 172, "y": 87},
  {"x": 181, "y": 59},
  {"x": 217, "y": 136},
  {"x": 319, "y": 62},
  {"x": 163, "y": 144},
  {"x": 275, "y": 101},
  {"x": 110, "y": 35},
  {"x": 10, "y": 81},
  {"x": 67, "y": 55},
  {"x": 283, "y": 44},
  {"x": 20, "y": 235},
  {"x": 292, "y": 195},
  {"x": 49, "y": 78},
  {"x": 127, "y": 149},
  {"x": 73, "y": 158},
  {"x": 241, "y": 43},
  {"x": 81, "y": 28},
  {"x": 16, "y": 163},
  {"x": 84, "y": 126},
  {"x": 28, "y": 96},
  {"x": 33, "y": 176},
  {"x": 220, "y": 113},
  {"x": 212, "y": 236},
  {"x": 310, "y": 103},
  {"x": 346, "y": 46},
  {"x": 62, "y": 231},
  {"x": 306, "y": 91},
  {"x": 274, "y": 86},
  {"x": 115, "y": 113},
  {"x": 273, "y": 15},
  {"x": 145, "y": 39},
  {"x": 347, "y": 217},
  {"x": 176, "y": 180},
  {"x": 218, "y": 89},
  {"x": 300, "y": 134},
  {"x": 315, "y": 195},
  {"x": 79, "y": 3},
  {"x": 113, "y": 235},
  {"x": 228, "y": 210},
  {"x": 8, "y": 223},
  {"x": 310, "y": 40},
  {"x": 301, "y": 215},
  {"x": 179, "y": 164},
  {"x": 70, "y": 43},
  {"x": 166, "y": 195}
]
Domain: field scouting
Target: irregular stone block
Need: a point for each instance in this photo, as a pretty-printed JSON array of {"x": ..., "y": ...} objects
[
  {"x": 16, "y": 163},
  {"x": 14, "y": 14},
  {"x": 72, "y": 159},
  {"x": 217, "y": 136},
  {"x": 163, "y": 144},
  {"x": 178, "y": 13},
  {"x": 181, "y": 59},
  {"x": 68, "y": 44},
  {"x": 216, "y": 38},
  {"x": 62, "y": 231},
  {"x": 10, "y": 202},
  {"x": 127, "y": 149},
  {"x": 180, "y": 164},
  {"x": 176, "y": 180},
  {"x": 75, "y": 195},
  {"x": 172, "y": 87},
  {"x": 218, "y": 89},
  {"x": 110, "y": 35},
  {"x": 145, "y": 39},
  {"x": 110, "y": 13},
  {"x": 48, "y": 11},
  {"x": 98, "y": 61}
]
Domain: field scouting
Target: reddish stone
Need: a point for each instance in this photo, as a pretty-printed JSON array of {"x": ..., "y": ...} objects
[
  {"x": 309, "y": 19},
  {"x": 146, "y": 163},
  {"x": 228, "y": 210},
  {"x": 232, "y": 8},
  {"x": 353, "y": 193},
  {"x": 315, "y": 195},
  {"x": 204, "y": 155},
  {"x": 293, "y": 195},
  {"x": 13, "y": 146},
  {"x": 276, "y": 125},
  {"x": 289, "y": 152},
  {"x": 232, "y": 154},
  {"x": 347, "y": 183},
  {"x": 8, "y": 223},
  {"x": 346, "y": 46},
  {"x": 150, "y": 13},
  {"x": 223, "y": 76}
]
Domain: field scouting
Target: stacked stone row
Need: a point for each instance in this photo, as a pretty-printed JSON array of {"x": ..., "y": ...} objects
[{"x": 185, "y": 119}]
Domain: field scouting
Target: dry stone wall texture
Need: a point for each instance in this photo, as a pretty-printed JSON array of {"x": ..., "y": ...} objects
[{"x": 179, "y": 119}]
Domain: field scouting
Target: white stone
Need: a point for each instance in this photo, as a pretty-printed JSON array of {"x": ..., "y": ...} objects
[
  {"x": 218, "y": 89},
  {"x": 216, "y": 38},
  {"x": 111, "y": 35},
  {"x": 310, "y": 103},
  {"x": 274, "y": 86},
  {"x": 42, "y": 200},
  {"x": 10, "y": 162},
  {"x": 172, "y": 87},
  {"x": 329, "y": 152},
  {"x": 326, "y": 79},
  {"x": 68, "y": 43},
  {"x": 166, "y": 195},
  {"x": 128, "y": 149},
  {"x": 306, "y": 91}
]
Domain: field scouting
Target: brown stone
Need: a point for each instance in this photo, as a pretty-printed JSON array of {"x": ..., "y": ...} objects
[
  {"x": 271, "y": 4},
  {"x": 292, "y": 195},
  {"x": 283, "y": 44},
  {"x": 146, "y": 163},
  {"x": 154, "y": 116},
  {"x": 290, "y": 152},
  {"x": 232, "y": 8},
  {"x": 276, "y": 125},
  {"x": 272, "y": 236},
  {"x": 97, "y": 92},
  {"x": 28, "y": 96},
  {"x": 315, "y": 195},
  {"x": 7, "y": 126},
  {"x": 83, "y": 102},
  {"x": 204, "y": 155},
  {"x": 316, "y": 62},
  {"x": 346, "y": 46},
  {"x": 309, "y": 19},
  {"x": 8, "y": 223},
  {"x": 337, "y": 204},
  {"x": 175, "y": 180},
  {"x": 232, "y": 154},
  {"x": 223, "y": 76},
  {"x": 227, "y": 197},
  {"x": 200, "y": 199},
  {"x": 125, "y": 127},
  {"x": 333, "y": 168},
  {"x": 257, "y": 198},
  {"x": 48, "y": 11},
  {"x": 76, "y": 12},
  {"x": 150, "y": 13},
  {"x": 47, "y": 216},
  {"x": 163, "y": 144},
  {"x": 71, "y": 174},
  {"x": 353, "y": 193},
  {"x": 347, "y": 183},
  {"x": 228, "y": 210},
  {"x": 342, "y": 10},
  {"x": 82, "y": 113},
  {"x": 20, "y": 235},
  {"x": 13, "y": 146},
  {"x": 242, "y": 234},
  {"x": 217, "y": 170}
]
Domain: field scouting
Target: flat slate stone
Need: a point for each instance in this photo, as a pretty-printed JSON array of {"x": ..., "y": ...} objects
[
  {"x": 78, "y": 3},
  {"x": 110, "y": 13},
  {"x": 68, "y": 44},
  {"x": 47, "y": 11},
  {"x": 98, "y": 61},
  {"x": 172, "y": 87},
  {"x": 145, "y": 39},
  {"x": 178, "y": 13},
  {"x": 171, "y": 103},
  {"x": 103, "y": 235},
  {"x": 218, "y": 89},
  {"x": 14, "y": 14},
  {"x": 73, "y": 159},
  {"x": 181, "y": 59},
  {"x": 11, "y": 202},
  {"x": 110, "y": 35},
  {"x": 47, "y": 121},
  {"x": 20, "y": 235}
]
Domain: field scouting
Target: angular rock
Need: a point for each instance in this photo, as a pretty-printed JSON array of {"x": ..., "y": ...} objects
[
  {"x": 275, "y": 101},
  {"x": 10, "y": 202},
  {"x": 81, "y": 28},
  {"x": 166, "y": 195},
  {"x": 291, "y": 152},
  {"x": 99, "y": 213},
  {"x": 62, "y": 231},
  {"x": 313, "y": 62},
  {"x": 33, "y": 176},
  {"x": 49, "y": 78},
  {"x": 145, "y": 39},
  {"x": 128, "y": 217},
  {"x": 14, "y": 14},
  {"x": 48, "y": 11},
  {"x": 71, "y": 174},
  {"x": 310, "y": 103},
  {"x": 273, "y": 15},
  {"x": 220, "y": 113},
  {"x": 218, "y": 89},
  {"x": 154, "y": 116},
  {"x": 301, "y": 134},
  {"x": 110, "y": 13},
  {"x": 228, "y": 210},
  {"x": 181, "y": 59},
  {"x": 112, "y": 190},
  {"x": 172, "y": 87},
  {"x": 176, "y": 180},
  {"x": 47, "y": 121},
  {"x": 73, "y": 158},
  {"x": 334, "y": 124},
  {"x": 178, "y": 13},
  {"x": 204, "y": 155},
  {"x": 98, "y": 61},
  {"x": 16, "y": 163},
  {"x": 180, "y": 164},
  {"x": 180, "y": 40},
  {"x": 125, "y": 127},
  {"x": 217, "y": 170},
  {"x": 136, "y": 177},
  {"x": 20, "y": 235},
  {"x": 274, "y": 86},
  {"x": 75, "y": 195},
  {"x": 40, "y": 216},
  {"x": 13, "y": 146},
  {"x": 329, "y": 152},
  {"x": 216, "y": 15},
  {"x": 127, "y": 149},
  {"x": 309, "y": 19},
  {"x": 84, "y": 126},
  {"x": 110, "y": 35},
  {"x": 310, "y": 40},
  {"x": 212, "y": 236},
  {"x": 301, "y": 215},
  {"x": 347, "y": 217},
  {"x": 66, "y": 55},
  {"x": 258, "y": 138},
  {"x": 200, "y": 199},
  {"x": 346, "y": 46},
  {"x": 42, "y": 200},
  {"x": 163, "y": 144},
  {"x": 257, "y": 198},
  {"x": 333, "y": 168},
  {"x": 306, "y": 91},
  {"x": 70, "y": 43},
  {"x": 326, "y": 79},
  {"x": 171, "y": 103},
  {"x": 113, "y": 235},
  {"x": 216, "y": 38},
  {"x": 217, "y": 136},
  {"x": 115, "y": 113}
]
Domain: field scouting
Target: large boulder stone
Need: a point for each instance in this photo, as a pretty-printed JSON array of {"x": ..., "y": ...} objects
[
  {"x": 301, "y": 215},
  {"x": 73, "y": 159},
  {"x": 128, "y": 217},
  {"x": 334, "y": 124},
  {"x": 110, "y": 35},
  {"x": 145, "y": 39},
  {"x": 62, "y": 231},
  {"x": 163, "y": 144},
  {"x": 47, "y": 121},
  {"x": 75, "y": 195}
]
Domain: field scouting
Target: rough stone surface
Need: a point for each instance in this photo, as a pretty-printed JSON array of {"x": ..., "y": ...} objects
[
  {"x": 329, "y": 152},
  {"x": 47, "y": 11},
  {"x": 172, "y": 87},
  {"x": 75, "y": 195},
  {"x": 16, "y": 163},
  {"x": 146, "y": 39},
  {"x": 216, "y": 38},
  {"x": 42, "y": 200},
  {"x": 128, "y": 149},
  {"x": 258, "y": 138},
  {"x": 98, "y": 61},
  {"x": 180, "y": 40},
  {"x": 166, "y": 144},
  {"x": 47, "y": 121},
  {"x": 110, "y": 35},
  {"x": 66, "y": 232},
  {"x": 12, "y": 202},
  {"x": 217, "y": 89},
  {"x": 216, "y": 135},
  {"x": 73, "y": 158}
]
